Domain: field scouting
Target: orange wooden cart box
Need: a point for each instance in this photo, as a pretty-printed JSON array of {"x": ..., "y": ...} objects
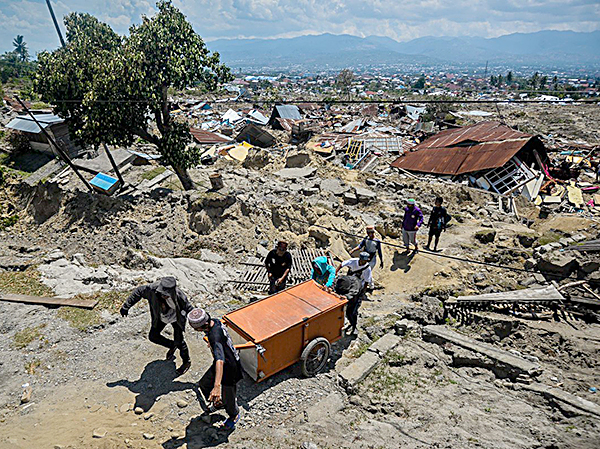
[{"x": 297, "y": 324}]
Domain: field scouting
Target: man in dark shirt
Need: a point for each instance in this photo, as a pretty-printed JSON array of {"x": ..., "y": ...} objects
[
  {"x": 353, "y": 289},
  {"x": 279, "y": 264},
  {"x": 168, "y": 305},
  {"x": 219, "y": 383},
  {"x": 371, "y": 245},
  {"x": 437, "y": 222}
]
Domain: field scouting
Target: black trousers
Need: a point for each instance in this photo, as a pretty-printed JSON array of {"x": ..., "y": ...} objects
[
  {"x": 352, "y": 310},
  {"x": 228, "y": 392},
  {"x": 276, "y": 288},
  {"x": 156, "y": 337}
]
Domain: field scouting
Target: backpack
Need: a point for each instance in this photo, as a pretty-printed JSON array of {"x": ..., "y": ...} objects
[{"x": 447, "y": 218}]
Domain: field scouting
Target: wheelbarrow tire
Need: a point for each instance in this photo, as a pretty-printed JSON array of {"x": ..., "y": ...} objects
[{"x": 315, "y": 356}]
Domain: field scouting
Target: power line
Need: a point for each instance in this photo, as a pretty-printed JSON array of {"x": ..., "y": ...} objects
[{"x": 373, "y": 101}]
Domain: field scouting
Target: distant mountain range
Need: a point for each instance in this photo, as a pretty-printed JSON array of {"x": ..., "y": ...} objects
[{"x": 560, "y": 49}]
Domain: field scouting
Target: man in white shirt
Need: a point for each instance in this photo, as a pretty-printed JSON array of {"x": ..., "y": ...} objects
[{"x": 358, "y": 268}]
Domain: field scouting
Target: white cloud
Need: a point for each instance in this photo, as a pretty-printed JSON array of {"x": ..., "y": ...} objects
[{"x": 288, "y": 18}]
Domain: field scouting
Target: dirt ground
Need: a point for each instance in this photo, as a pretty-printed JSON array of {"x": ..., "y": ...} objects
[{"x": 89, "y": 371}]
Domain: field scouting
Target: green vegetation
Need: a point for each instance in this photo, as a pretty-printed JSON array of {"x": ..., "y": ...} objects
[
  {"x": 7, "y": 222},
  {"x": 153, "y": 173},
  {"x": 360, "y": 349},
  {"x": 25, "y": 282},
  {"x": 23, "y": 338},
  {"x": 39, "y": 105},
  {"x": 548, "y": 237},
  {"x": 31, "y": 367},
  {"x": 163, "y": 52},
  {"x": 388, "y": 381},
  {"x": 83, "y": 319}
]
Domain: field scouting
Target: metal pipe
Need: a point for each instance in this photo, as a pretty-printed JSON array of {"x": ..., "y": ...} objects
[
  {"x": 114, "y": 165},
  {"x": 61, "y": 153},
  {"x": 62, "y": 41}
]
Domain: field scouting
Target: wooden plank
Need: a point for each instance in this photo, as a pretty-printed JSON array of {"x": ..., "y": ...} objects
[
  {"x": 546, "y": 293},
  {"x": 71, "y": 302}
]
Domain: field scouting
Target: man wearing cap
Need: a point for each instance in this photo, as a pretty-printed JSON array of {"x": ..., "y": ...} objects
[
  {"x": 371, "y": 245},
  {"x": 358, "y": 268},
  {"x": 413, "y": 219},
  {"x": 278, "y": 264},
  {"x": 219, "y": 383},
  {"x": 168, "y": 305}
]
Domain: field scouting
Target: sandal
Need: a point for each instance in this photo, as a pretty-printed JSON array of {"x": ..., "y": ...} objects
[{"x": 229, "y": 423}]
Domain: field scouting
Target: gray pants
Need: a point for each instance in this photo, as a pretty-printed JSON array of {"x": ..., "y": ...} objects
[
  {"x": 409, "y": 237},
  {"x": 228, "y": 393}
]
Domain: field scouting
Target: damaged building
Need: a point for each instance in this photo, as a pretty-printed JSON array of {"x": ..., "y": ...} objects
[{"x": 491, "y": 155}]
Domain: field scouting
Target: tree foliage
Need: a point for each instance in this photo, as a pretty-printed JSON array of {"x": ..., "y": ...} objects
[
  {"x": 12, "y": 67},
  {"x": 420, "y": 83},
  {"x": 110, "y": 86},
  {"x": 21, "y": 48},
  {"x": 344, "y": 80}
]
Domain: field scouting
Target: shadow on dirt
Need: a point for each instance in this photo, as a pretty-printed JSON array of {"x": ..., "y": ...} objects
[
  {"x": 199, "y": 434},
  {"x": 157, "y": 379},
  {"x": 401, "y": 261}
]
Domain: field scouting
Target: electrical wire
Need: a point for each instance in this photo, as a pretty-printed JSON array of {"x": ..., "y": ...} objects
[{"x": 397, "y": 246}]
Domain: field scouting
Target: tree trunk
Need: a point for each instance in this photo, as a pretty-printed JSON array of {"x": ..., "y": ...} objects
[{"x": 184, "y": 177}]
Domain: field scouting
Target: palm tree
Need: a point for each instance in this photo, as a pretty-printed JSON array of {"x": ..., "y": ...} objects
[{"x": 21, "y": 48}]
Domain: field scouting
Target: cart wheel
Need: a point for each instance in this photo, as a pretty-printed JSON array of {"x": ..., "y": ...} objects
[{"x": 315, "y": 356}]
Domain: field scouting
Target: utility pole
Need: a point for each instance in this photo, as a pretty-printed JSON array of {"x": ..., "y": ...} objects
[{"x": 62, "y": 41}]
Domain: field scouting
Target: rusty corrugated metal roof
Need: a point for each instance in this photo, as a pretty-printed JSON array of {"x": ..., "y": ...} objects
[
  {"x": 483, "y": 146},
  {"x": 208, "y": 137}
]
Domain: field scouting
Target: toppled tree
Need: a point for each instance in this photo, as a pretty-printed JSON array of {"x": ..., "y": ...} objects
[{"x": 111, "y": 86}]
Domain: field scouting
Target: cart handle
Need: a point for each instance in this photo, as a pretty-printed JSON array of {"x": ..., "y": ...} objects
[{"x": 247, "y": 345}]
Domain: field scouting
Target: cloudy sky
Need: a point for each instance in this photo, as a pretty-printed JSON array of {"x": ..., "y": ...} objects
[{"x": 401, "y": 20}]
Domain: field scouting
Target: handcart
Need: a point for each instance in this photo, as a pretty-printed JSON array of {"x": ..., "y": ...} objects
[{"x": 296, "y": 324}]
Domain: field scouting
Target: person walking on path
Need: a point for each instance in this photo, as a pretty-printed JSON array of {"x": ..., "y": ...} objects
[
  {"x": 413, "y": 219},
  {"x": 351, "y": 288},
  {"x": 219, "y": 383},
  {"x": 168, "y": 305},
  {"x": 278, "y": 264},
  {"x": 371, "y": 245},
  {"x": 322, "y": 272},
  {"x": 437, "y": 222},
  {"x": 359, "y": 269}
]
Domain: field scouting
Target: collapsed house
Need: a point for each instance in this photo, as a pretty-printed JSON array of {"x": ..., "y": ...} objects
[
  {"x": 491, "y": 155},
  {"x": 55, "y": 126},
  {"x": 284, "y": 116}
]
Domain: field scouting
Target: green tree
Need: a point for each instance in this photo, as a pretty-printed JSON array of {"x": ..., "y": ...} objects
[
  {"x": 420, "y": 83},
  {"x": 114, "y": 84},
  {"x": 493, "y": 80},
  {"x": 344, "y": 80},
  {"x": 21, "y": 48},
  {"x": 509, "y": 77},
  {"x": 534, "y": 80},
  {"x": 499, "y": 81}
]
